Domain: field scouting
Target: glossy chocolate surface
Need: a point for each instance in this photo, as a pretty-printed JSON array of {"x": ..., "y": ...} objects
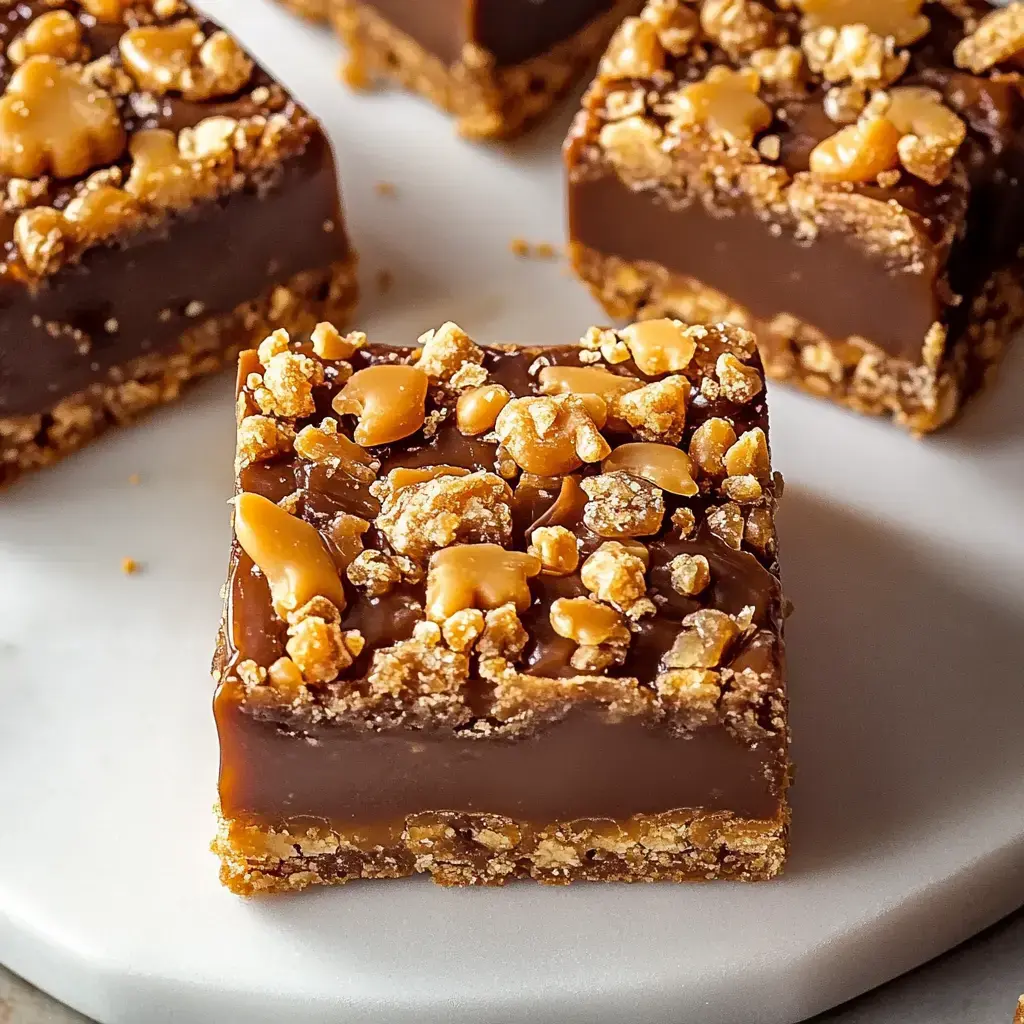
[{"x": 512, "y": 31}]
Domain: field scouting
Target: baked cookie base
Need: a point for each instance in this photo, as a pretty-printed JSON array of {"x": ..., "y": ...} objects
[
  {"x": 921, "y": 397},
  {"x": 489, "y": 849},
  {"x": 29, "y": 442},
  {"x": 488, "y": 102}
]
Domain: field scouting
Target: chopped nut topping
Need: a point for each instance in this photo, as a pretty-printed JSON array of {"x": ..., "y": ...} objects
[
  {"x": 325, "y": 445},
  {"x": 377, "y": 572},
  {"x": 690, "y": 574},
  {"x": 53, "y": 122},
  {"x": 286, "y": 677},
  {"x": 634, "y": 52},
  {"x": 553, "y": 436},
  {"x": 446, "y": 351},
  {"x": 704, "y": 640},
  {"x": 585, "y": 380},
  {"x": 859, "y": 152},
  {"x": 105, "y": 10},
  {"x": 634, "y": 147},
  {"x": 749, "y": 456},
  {"x": 344, "y": 537},
  {"x": 854, "y": 53},
  {"x": 179, "y": 58},
  {"x": 901, "y": 19},
  {"x": 390, "y": 401},
  {"x": 417, "y": 666},
  {"x": 621, "y": 505},
  {"x": 605, "y": 344},
  {"x": 739, "y": 26},
  {"x": 504, "y": 635},
  {"x": 657, "y": 411},
  {"x": 662, "y": 464},
  {"x": 53, "y": 34},
  {"x": 556, "y": 548},
  {"x": 482, "y": 576},
  {"x": 740, "y": 383},
  {"x": 726, "y": 523},
  {"x": 462, "y": 630},
  {"x": 661, "y": 346},
  {"x": 760, "y": 530},
  {"x": 725, "y": 103},
  {"x": 586, "y": 622},
  {"x": 477, "y": 410},
  {"x": 845, "y": 103},
  {"x": 709, "y": 444},
  {"x": 160, "y": 176},
  {"x": 744, "y": 490},
  {"x": 260, "y": 438},
  {"x": 287, "y": 386},
  {"x": 614, "y": 574},
  {"x": 782, "y": 67},
  {"x": 932, "y": 133},
  {"x": 317, "y": 647},
  {"x": 289, "y": 552},
  {"x": 684, "y": 521},
  {"x": 420, "y": 518},
  {"x": 692, "y": 694},
  {"x": 406, "y": 476},
  {"x": 998, "y": 37},
  {"x": 328, "y": 343}
]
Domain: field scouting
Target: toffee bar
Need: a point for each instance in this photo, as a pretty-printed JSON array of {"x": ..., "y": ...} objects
[
  {"x": 163, "y": 205},
  {"x": 502, "y": 612},
  {"x": 840, "y": 177}
]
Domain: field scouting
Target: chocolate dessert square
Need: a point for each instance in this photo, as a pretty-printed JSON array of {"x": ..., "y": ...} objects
[
  {"x": 165, "y": 204},
  {"x": 840, "y": 176},
  {"x": 502, "y": 612}
]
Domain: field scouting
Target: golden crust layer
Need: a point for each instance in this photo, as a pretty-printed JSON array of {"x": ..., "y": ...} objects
[
  {"x": 29, "y": 442},
  {"x": 489, "y": 849},
  {"x": 850, "y": 371},
  {"x": 488, "y": 102}
]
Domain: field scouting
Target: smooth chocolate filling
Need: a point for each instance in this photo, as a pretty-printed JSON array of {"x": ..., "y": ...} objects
[
  {"x": 827, "y": 283},
  {"x": 588, "y": 765},
  {"x": 139, "y": 296},
  {"x": 512, "y": 31}
]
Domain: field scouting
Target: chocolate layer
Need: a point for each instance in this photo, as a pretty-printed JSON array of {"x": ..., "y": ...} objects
[
  {"x": 140, "y": 295},
  {"x": 512, "y": 31}
]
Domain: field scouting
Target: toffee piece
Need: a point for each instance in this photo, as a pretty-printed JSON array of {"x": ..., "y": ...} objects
[
  {"x": 841, "y": 177},
  {"x": 496, "y": 65},
  {"x": 163, "y": 204},
  {"x": 502, "y": 612}
]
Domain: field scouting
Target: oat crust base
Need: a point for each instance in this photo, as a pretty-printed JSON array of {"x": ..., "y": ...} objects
[{"x": 29, "y": 442}]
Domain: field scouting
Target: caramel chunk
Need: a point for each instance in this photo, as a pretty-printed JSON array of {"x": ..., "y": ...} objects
[
  {"x": 662, "y": 464},
  {"x": 477, "y": 410},
  {"x": 585, "y": 380},
  {"x": 616, "y": 575},
  {"x": 557, "y": 549},
  {"x": 859, "y": 152},
  {"x": 725, "y": 103},
  {"x": 586, "y": 622},
  {"x": 552, "y": 436},
  {"x": 389, "y": 400},
  {"x": 53, "y": 34},
  {"x": 621, "y": 505},
  {"x": 635, "y": 51},
  {"x": 689, "y": 574},
  {"x": 709, "y": 444},
  {"x": 105, "y": 10},
  {"x": 289, "y": 552},
  {"x": 704, "y": 640},
  {"x": 748, "y": 456},
  {"x": 53, "y": 122},
  {"x": 325, "y": 445},
  {"x": 901, "y": 19},
  {"x": 661, "y": 346},
  {"x": 931, "y": 132},
  {"x": 657, "y": 411},
  {"x": 329, "y": 343},
  {"x": 481, "y": 576},
  {"x": 998, "y": 37}
]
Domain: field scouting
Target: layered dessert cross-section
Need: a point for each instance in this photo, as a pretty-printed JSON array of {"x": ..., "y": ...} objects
[
  {"x": 496, "y": 65},
  {"x": 163, "y": 205},
  {"x": 841, "y": 176},
  {"x": 502, "y": 612}
]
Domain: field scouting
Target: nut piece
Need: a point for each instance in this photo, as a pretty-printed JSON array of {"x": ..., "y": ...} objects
[
  {"x": 328, "y": 343},
  {"x": 662, "y": 464},
  {"x": 553, "y": 436},
  {"x": 178, "y": 58},
  {"x": 160, "y": 176},
  {"x": 657, "y": 411},
  {"x": 286, "y": 389},
  {"x": 704, "y": 640},
  {"x": 419, "y": 518},
  {"x": 317, "y": 647},
  {"x": 105, "y": 10},
  {"x": 482, "y": 576},
  {"x": 858, "y": 152},
  {"x": 344, "y": 538},
  {"x": 326, "y": 446},
  {"x": 709, "y": 444},
  {"x": 738, "y": 26},
  {"x": 477, "y": 409},
  {"x": 53, "y": 34},
  {"x": 53, "y": 122},
  {"x": 556, "y": 548},
  {"x": 998, "y": 37},
  {"x": 726, "y": 523},
  {"x": 661, "y": 346},
  {"x": 585, "y": 380},
  {"x": 932, "y": 133},
  {"x": 377, "y": 572},
  {"x": 856, "y": 54},
  {"x": 740, "y": 383},
  {"x": 259, "y": 438},
  {"x": 446, "y": 350},
  {"x": 621, "y": 505},
  {"x": 901, "y": 19},
  {"x": 633, "y": 146},
  {"x": 289, "y": 552},
  {"x": 690, "y": 574},
  {"x": 725, "y": 103},
  {"x": 634, "y": 52},
  {"x": 616, "y": 575},
  {"x": 586, "y": 622},
  {"x": 462, "y": 629},
  {"x": 749, "y": 456},
  {"x": 390, "y": 401}
]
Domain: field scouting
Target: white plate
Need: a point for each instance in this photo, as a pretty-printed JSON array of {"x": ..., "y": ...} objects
[{"x": 905, "y": 561}]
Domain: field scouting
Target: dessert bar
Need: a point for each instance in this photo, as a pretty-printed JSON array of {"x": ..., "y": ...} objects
[
  {"x": 497, "y": 65},
  {"x": 840, "y": 176},
  {"x": 502, "y": 612},
  {"x": 164, "y": 204}
]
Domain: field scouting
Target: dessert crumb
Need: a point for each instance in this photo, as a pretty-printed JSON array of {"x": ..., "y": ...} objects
[
  {"x": 528, "y": 251},
  {"x": 520, "y": 247},
  {"x": 386, "y": 189},
  {"x": 129, "y": 566},
  {"x": 134, "y": 479}
]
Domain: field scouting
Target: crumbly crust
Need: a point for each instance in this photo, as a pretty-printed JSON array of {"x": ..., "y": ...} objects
[
  {"x": 488, "y": 102},
  {"x": 29, "y": 442},
  {"x": 850, "y": 371},
  {"x": 489, "y": 849}
]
